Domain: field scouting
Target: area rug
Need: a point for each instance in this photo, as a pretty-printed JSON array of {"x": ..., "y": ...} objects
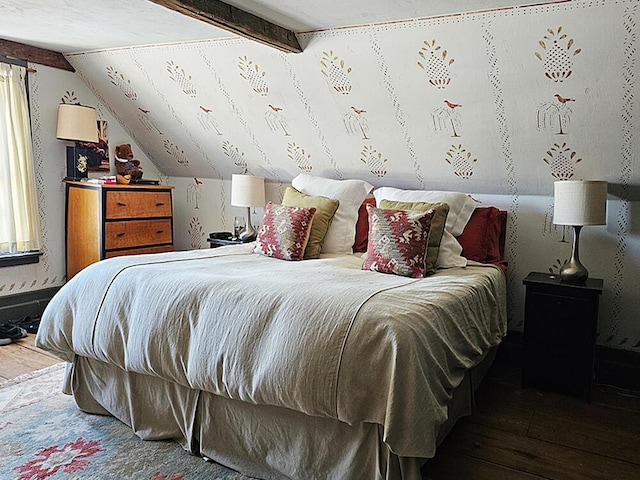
[{"x": 44, "y": 435}]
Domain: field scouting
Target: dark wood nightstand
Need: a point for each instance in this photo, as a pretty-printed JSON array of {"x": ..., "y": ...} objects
[
  {"x": 560, "y": 333},
  {"x": 219, "y": 242}
]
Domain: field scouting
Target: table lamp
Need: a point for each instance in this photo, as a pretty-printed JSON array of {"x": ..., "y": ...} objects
[
  {"x": 78, "y": 124},
  {"x": 247, "y": 191},
  {"x": 578, "y": 203}
]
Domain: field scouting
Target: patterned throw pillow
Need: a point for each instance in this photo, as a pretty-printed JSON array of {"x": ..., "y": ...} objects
[
  {"x": 284, "y": 232},
  {"x": 435, "y": 232},
  {"x": 398, "y": 241}
]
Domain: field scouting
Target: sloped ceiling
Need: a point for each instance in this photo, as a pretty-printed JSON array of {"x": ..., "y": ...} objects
[{"x": 71, "y": 26}]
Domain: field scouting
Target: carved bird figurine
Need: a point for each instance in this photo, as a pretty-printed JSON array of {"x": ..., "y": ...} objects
[
  {"x": 205, "y": 110},
  {"x": 563, "y": 99},
  {"x": 358, "y": 111},
  {"x": 452, "y": 105},
  {"x": 275, "y": 109}
]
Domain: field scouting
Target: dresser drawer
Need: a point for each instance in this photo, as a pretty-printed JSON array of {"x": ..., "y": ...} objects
[
  {"x": 134, "y": 233},
  {"x": 136, "y": 204},
  {"x": 136, "y": 251}
]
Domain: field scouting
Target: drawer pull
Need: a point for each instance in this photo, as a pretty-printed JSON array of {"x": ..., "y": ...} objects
[
  {"x": 121, "y": 234},
  {"x": 121, "y": 204},
  {"x": 159, "y": 231},
  {"x": 159, "y": 204}
]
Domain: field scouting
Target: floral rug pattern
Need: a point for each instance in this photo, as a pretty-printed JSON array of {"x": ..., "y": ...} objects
[{"x": 43, "y": 435}]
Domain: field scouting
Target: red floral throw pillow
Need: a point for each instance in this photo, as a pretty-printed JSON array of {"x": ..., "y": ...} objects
[
  {"x": 398, "y": 241},
  {"x": 284, "y": 232}
]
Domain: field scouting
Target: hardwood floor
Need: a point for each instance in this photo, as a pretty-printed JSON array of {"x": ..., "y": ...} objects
[
  {"x": 23, "y": 357},
  {"x": 514, "y": 434},
  {"x": 527, "y": 434}
]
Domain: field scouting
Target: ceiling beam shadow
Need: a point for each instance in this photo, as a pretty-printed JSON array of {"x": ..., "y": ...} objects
[
  {"x": 41, "y": 56},
  {"x": 237, "y": 21}
]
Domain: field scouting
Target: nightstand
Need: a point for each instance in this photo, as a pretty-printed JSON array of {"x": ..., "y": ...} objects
[
  {"x": 219, "y": 242},
  {"x": 560, "y": 333}
]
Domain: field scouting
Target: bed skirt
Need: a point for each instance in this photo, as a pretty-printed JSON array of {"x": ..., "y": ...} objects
[{"x": 260, "y": 441}]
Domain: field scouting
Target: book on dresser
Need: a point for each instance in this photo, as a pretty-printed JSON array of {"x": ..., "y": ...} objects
[{"x": 109, "y": 220}]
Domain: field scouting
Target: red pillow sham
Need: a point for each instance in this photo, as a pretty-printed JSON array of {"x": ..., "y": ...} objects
[
  {"x": 362, "y": 226},
  {"x": 483, "y": 238}
]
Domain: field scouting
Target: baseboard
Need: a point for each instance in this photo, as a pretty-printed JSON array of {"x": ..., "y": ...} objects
[
  {"x": 615, "y": 367},
  {"x": 14, "y": 307}
]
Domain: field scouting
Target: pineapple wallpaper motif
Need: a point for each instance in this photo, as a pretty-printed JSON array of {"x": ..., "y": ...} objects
[
  {"x": 301, "y": 159},
  {"x": 562, "y": 161},
  {"x": 461, "y": 161},
  {"x": 234, "y": 153},
  {"x": 254, "y": 77},
  {"x": 434, "y": 61},
  {"x": 337, "y": 72},
  {"x": 374, "y": 161},
  {"x": 119, "y": 80},
  {"x": 183, "y": 80},
  {"x": 196, "y": 233},
  {"x": 557, "y": 54},
  {"x": 498, "y": 104}
]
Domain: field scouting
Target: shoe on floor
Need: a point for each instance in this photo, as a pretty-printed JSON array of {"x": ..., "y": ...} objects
[
  {"x": 5, "y": 341},
  {"x": 12, "y": 332},
  {"x": 29, "y": 324}
]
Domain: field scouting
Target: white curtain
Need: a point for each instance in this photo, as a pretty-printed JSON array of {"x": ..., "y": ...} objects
[{"x": 19, "y": 225}]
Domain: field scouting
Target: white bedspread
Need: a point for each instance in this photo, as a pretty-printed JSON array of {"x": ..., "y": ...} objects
[{"x": 322, "y": 337}]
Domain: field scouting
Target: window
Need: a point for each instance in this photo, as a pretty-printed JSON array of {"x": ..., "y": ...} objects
[{"x": 19, "y": 225}]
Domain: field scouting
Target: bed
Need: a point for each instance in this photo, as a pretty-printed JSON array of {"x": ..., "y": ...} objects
[{"x": 313, "y": 369}]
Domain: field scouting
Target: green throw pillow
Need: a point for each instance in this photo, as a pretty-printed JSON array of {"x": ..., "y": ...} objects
[
  {"x": 437, "y": 226},
  {"x": 325, "y": 210}
]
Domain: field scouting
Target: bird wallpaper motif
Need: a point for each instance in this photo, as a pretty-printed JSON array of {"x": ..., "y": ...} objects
[
  {"x": 498, "y": 104},
  {"x": 555, "y": 114}
]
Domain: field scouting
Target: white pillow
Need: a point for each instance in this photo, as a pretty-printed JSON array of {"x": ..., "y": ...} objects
[
  {"x": 350, "y": 193},
  {"x": 461, "y": 207}
]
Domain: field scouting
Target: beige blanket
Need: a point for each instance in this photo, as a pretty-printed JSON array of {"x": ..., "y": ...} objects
[{"x": 320, "y": 337}]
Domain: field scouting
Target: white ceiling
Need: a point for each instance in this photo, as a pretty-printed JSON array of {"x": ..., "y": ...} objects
[{"x": 71, "y": 26}]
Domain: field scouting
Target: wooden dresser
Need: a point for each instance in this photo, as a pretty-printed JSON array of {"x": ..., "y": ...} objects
[{"x": 109, "y": 220}]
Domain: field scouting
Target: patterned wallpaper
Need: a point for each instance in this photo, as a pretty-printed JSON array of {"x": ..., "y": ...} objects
[{"x": 498, "y": 104}]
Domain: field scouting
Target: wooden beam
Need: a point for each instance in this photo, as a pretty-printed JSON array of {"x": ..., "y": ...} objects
[
  {"x": 232, "y": 19},
  {"x": 41, "y": 56}
]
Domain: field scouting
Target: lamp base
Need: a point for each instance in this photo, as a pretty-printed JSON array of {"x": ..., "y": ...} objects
[
  {"x": 77, "y": 162},
  {"x": 573, "y": 271},
  {"x": 248, "y": 236},
  {"x": 249, "y": 233}
]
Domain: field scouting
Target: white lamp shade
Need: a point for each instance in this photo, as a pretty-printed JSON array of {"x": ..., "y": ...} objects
[
  {"x": 580, "y": 202},
  {"x": 77, "y": 123},
  {"x": 247, "y": 191}
]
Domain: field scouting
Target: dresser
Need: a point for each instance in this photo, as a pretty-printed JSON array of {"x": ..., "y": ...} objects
[{"x": 109, "y": 220}]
